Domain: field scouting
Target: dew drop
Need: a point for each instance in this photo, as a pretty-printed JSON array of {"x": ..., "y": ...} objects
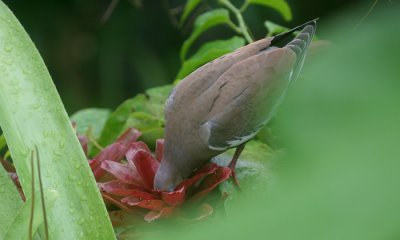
[
  {"x": 61, "y": 143},
  {"x": 8, "y": 48}
]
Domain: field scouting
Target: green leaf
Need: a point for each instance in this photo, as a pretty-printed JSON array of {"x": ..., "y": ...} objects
[
  {"x": 20, "y": 224},
  {"x": 189, "y": 7},
  {"x": 142, "y": 121},
  {"x": 3, "y": 142},
  {"x": 135, "y": 112},
  {"x": 209, "y": 51},
  {"x": 156, "y": 100},
  {"x": 279, "y": 5},
  {"x": 116, "y": 121},
  {"x": 151, "y": 135},
  {"x": 32, "y": 114},
  {"x": 274, "y": 29},
  {"x": 253, "y": 171},
  {"x": 203, "y": 22},
  {"x": 90, "y": 118},
  {"x": 10, "y": 201}
]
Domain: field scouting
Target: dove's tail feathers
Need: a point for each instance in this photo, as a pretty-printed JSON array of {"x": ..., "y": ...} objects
[
  {"x": 279, "y": 38},
  {"x": 300, "y": 45}
]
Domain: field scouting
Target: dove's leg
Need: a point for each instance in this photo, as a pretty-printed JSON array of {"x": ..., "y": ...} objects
[{"x": 232, "y": 164}]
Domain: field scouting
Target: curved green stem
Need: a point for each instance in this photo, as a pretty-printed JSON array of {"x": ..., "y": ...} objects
[
  {"x": 244, "y": 6},
  {"x": 242, "y": 25}
]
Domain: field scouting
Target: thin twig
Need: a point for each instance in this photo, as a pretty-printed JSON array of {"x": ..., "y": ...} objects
[
  {"x": 92, "y": 140},
  {"x": 366, "y": 15},
  {"x": 32, "y": 197},
  {"x": 244, "y": 6},
  {"x": 239, "y": 17},
  {"x": 46, "y": 229},
  {"x": 95, "y": 143},
  {"x": 170, "y": 14},
  {"x": 109, "y": 10}
]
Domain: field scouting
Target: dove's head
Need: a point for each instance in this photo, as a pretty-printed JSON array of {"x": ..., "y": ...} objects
[{"x": 167, "y": 177}]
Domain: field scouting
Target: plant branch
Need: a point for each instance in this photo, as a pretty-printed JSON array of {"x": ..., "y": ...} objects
[
  {"x": 242, "y": 25},
  {"x": 244, "y": 6}
]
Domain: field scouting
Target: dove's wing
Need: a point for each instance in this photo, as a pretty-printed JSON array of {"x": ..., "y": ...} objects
[
  {"x": 243, "y": 99},
  {"x": 204, "y": 77}
]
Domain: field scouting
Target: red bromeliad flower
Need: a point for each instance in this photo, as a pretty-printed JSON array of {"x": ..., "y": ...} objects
[{"x": 129, "y": 184}]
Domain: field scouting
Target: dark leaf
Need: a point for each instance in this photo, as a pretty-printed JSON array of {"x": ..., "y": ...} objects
[
  {"x": 189, "y": 7},
  {"x": 207, "y": 52},
  {"x": 204, "y": 22},
  {"x": 279, "y": 5}
]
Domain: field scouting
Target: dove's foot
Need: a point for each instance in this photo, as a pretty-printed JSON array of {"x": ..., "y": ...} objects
[{"x": 232, "y": 164}]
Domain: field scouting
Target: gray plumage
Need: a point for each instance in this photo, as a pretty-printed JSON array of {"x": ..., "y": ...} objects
[{"x": 224, "y": 103}]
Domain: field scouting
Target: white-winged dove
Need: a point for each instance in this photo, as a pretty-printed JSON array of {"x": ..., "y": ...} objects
[{"x": 224, "y": 103}]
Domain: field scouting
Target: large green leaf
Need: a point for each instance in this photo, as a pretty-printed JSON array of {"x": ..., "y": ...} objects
[
  {"x": 279, "y": 5},
  {"x": 116, "y": 121},
  {"x": 274, "y": 29},
  {"x": 19, "y": 227},
  {"x": 144, "y": 112},
  {"x": 92, "y": 119},
  {"x": 209, "y": 51},
  {"x": 150, "y": 126},
  {"x": 203, "y": 22},
  {"x": 32, "y": 114},
  {"x": 3, "y": 142},
  {"x": 10, "y": 201},
  {"x": 189, "y": 7},
  {"x": 254, "y": 166}
]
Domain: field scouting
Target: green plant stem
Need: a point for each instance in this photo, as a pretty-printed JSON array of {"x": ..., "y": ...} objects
[
  {"x": 244, "y": 6},
  {"x": 234, "y": 27},
  {"x": 242, "y": 25}
]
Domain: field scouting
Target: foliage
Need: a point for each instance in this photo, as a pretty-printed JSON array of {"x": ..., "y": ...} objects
[
  {"x": 10, "y": 202},
  {"x": 37, "y": 118},
  {"x": 32, "y": 114},
  {"x": 217, "y": 17}
]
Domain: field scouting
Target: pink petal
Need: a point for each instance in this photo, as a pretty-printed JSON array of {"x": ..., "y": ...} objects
[
  {"x": 154, "y": 215},
  {"x": 146, "y": 166},
  {"x": 152, "y": 204},
  {"x": 114, "y": 152},
  {"x": 122, "y": 172},
  {"x": 130, "y": 135},
  {"x": 211, "y": 181},
  {"x": 133, "y": 150},
  {"x": 174, "y": 198},
  {"x": 120, "y": 189},
  {"x": 177, "y": 197},
  {"x": 198, "y": 175},
  {"x": 159, "y": 149}
]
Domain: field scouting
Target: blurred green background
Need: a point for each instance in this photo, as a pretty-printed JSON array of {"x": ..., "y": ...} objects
[
  {"x": 340, "y": 177},
  {"x": 97, "y": 63}
]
